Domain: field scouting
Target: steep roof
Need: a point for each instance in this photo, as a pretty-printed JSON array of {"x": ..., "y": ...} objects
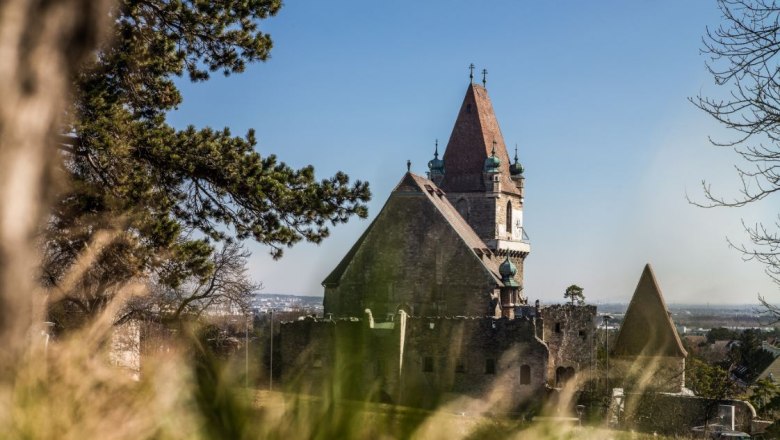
[
  {"x": 471, "y": 142},
  {"x": 416, "y": 186},
  {"x": 647, "y": 328}
]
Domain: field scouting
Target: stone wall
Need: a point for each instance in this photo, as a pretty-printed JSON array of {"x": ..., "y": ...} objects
[
  {"x": 569, "y": 332},
  {"x": 328, "y": 357},
  {"x": 648, "y": 373},
  {"x": 478, "y": 210},
  {"x": 676, "y": 414},
  {"x": 487, "y": 216},
  {"x": 499, "y": 361},
  {"x": 422, "y": 362}
]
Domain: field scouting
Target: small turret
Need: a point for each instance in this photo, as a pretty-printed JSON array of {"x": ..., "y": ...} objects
[
  {"x": 510, "y": 292},
  {"x": 508, "y": 271},
  {"x": 516, "y": 169},
  {"x": 436, "y": 167},
  {"x": 516, "y": 174},
  {"x": 492, "y": 163},
  {"x": 492, "y": 173}
]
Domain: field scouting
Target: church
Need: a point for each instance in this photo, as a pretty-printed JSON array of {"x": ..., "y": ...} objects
[{"x": 428, "y": 305}]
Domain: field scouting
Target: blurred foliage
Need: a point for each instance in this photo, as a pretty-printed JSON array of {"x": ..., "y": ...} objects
[
  {"x": 721, "y": 334},
  {"x": 710, "y": 381},
  {"x": 765, "y": 397}
]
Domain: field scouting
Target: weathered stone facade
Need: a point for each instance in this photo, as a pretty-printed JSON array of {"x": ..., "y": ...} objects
[
  {"x": 569, "y": 332},
  {"x": 417, "y": 361},
  {"x": 412, "y": 257},
  {"x": 488, "y": 218},
  {"x": 676, "y": 414},
  {"x": 665, "y": 374}
]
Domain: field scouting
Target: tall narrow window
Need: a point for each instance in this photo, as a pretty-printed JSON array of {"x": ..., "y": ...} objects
[
  {"x": 525, "y": 375},
  {"x": 509, "y": 217}
]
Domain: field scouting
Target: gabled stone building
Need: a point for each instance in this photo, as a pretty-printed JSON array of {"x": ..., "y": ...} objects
[{"x": 429, "y": 302}]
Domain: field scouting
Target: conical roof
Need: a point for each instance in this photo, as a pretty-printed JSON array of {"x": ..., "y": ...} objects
[
  {"x": 647, "y": 328},
  {"x": 471, "y": 142}
]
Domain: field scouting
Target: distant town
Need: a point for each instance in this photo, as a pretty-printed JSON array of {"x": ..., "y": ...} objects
[
  {"x": 690, "y": 319},
  {"x": 267, "y": 302}
]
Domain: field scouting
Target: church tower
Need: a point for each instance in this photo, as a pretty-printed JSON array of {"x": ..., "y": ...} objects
[{"x": 481, "y": 182}]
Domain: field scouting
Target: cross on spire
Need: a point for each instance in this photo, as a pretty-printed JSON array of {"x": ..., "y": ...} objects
[
  {"x": 493, "y": 153},
  {"x": 515, "y": 153},
  {"x": 471, "y": 72},
  {"x": 484, "y": 77},
  {"x": 408, "y": 165},
  {"x": 436, "y": 152}
]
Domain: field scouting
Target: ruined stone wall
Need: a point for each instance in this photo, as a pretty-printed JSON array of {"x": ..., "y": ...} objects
[
  {"x": 676, "y": 415},
  {"x": 478, "y": 357},
  {"x": 342, "y": 358},
  {"x": 648, "y": 373},
  {"x": 412, "y": 258},
  {"x": 308, "y": 356},
  {"x": 422, "y": 362},
  {"x": 569, "y": 332}
]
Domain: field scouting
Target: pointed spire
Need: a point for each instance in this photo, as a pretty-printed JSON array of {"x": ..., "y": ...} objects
[
  {"x": 493, "y": 152},
  {"x": 436, "y": 152},
  {"x": 515, "y": 153},
  {"x": 471, "y": 72},
  {"x": 471, "y": 142},
  {"x": 408, "y": 165},
  {"x": 484, "y": 77},
  {"x": 647, "y": 328}
]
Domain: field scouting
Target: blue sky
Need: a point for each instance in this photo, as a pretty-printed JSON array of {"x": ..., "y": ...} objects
[{"x": 594, "y": 94}]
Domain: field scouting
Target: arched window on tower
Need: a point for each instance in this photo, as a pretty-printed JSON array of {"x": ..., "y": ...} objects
[{"x": 509, "y": 217}]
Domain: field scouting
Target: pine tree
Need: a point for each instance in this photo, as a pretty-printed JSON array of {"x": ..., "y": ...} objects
[
  {"x": 166, "y": 196},
  {"x": 574, "y": 293}
]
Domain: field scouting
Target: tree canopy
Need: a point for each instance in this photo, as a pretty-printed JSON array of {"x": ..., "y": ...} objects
[
  {"x": 168, "y": 195},
  {"x": 574, "y": 293}
]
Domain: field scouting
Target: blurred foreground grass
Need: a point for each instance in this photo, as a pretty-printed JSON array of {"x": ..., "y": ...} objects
[
  {"x": 297, "y": 416},
  {"x": 71, "y": 391}
]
